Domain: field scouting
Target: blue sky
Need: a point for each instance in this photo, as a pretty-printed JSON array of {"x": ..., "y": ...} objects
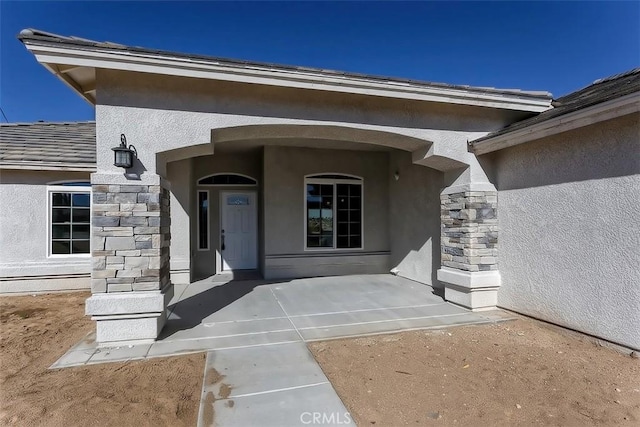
[{"x": 554, "y": 46}]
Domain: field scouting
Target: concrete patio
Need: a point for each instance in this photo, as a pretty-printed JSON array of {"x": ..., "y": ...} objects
[{"x": 255, "y": 333}]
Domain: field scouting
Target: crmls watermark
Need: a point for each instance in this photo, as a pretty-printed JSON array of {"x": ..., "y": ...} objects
[{"x": 325, "y": 418}]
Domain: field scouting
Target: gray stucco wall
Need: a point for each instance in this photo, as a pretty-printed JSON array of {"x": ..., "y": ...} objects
[
  {"x": 180, "y": 175},
  {"x": 414, "y": 219},
  {"x": 163, "y": 113},
  {"x": 569, "y": 230},
  {"x": 170, "y": 118},
  {"x": 284, "y": 171},
  {"x": 23, "y": 235}
]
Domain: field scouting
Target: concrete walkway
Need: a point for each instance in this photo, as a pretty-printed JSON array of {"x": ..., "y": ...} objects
[
  {"x": 255, "y": 332},
  {"x": 275, "y": 385}
]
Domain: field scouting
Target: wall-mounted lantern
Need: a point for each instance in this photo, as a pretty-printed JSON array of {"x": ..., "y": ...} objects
[{"x": 123, "y": 155}]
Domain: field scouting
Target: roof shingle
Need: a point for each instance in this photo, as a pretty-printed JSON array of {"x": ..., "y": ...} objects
[
  {"x": 48, "y": 145},
  {"x": 599, "y": 91}
]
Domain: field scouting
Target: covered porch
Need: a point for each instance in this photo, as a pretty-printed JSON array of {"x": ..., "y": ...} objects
[
  {"x": 221, "y": 313},
  {"x": 349, "y": 174}
]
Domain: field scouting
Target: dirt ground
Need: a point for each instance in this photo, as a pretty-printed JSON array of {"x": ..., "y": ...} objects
[
  {"x": 520, "y": 372},
  {"x": 36, "y": 330}
]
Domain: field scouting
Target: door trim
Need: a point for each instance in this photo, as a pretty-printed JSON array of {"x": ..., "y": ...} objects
[{"x": 219, "y": 260}]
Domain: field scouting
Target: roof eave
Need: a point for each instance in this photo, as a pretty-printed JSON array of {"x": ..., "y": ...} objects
[
  {"x": 57, "y": 55},
  {"x": 45, "y": 166},
  {"x": 608, "y": 110},
  {"x": 67, "y": 79}
]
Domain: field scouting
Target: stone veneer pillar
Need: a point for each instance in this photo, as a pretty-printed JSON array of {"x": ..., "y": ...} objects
[
  {"x": 469, "y": 241},
  {"x": 130, "y": 253}
]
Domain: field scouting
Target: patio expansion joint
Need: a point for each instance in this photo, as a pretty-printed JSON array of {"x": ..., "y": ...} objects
[
  {"x": 417, "y": 328},
  {"x": 287, "y": 314},
  {"x": 278, "y": 390},
  {"x": 361, "y": 310},
  {"x": 381, "y": 321},
  {"x": 230, "y": 335},
  {"x": 210, "y": 324}
]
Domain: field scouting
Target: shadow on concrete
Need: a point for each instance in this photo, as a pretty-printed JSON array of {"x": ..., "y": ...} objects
[{"x": 191, "y": 311}]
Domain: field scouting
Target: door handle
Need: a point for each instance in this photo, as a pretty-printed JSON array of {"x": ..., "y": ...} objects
[{"x": 222, "y": 243}]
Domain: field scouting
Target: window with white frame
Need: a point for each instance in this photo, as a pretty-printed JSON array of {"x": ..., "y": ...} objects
[
  {"x": 333, "y": 206},
  {"x": 69, "y": 218}
]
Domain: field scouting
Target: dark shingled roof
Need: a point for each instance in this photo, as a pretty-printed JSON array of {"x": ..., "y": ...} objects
[
  {"x": 35, "y": 34},
  {"x": 48, "y": 145},
  {"x": 599, "y": 91}
]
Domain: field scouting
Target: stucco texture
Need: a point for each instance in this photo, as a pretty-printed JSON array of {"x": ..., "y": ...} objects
[
  {"x": 414, "y": 219},
  {"x": 161, "y": 114},
  {"x": 23, "y": 235},
  {"x": 569, "y": 240}
]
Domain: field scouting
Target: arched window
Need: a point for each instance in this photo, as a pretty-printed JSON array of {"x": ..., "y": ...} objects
[
  {"x": 228, "y": 179},
  {"x": 333, "y": 206}
]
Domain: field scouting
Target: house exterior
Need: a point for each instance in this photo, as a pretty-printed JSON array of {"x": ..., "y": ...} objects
[
  {"x": 297, "y": 172},
  {"x": 43, "y": 166}
]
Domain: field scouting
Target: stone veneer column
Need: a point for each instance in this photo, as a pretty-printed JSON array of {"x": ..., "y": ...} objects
[
  {"x": 469, "y": 241},
  {"x": 130, "y": 253}
]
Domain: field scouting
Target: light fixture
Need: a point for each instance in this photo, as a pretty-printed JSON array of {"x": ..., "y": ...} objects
[
  {"x": 123, "y": 155},
  {"x": 397, "y": 175}
]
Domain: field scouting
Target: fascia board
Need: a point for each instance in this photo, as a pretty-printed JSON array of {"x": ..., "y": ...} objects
[
  {"x": 627, "y": 104},
  {"x": 136, "y": 62}
]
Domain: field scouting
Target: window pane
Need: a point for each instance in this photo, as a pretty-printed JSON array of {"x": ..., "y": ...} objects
[
  {"x": 79, "y": 231},
  {"x": 60, "y": 247},
  {"x": 343, "y": 202},
  {"x": 227, "y": 179},
  {"x": 327, "y": 220},
  {"x": 60, "y": 231},
  {"x": 313, "y": 242},
  {"x": 81, "y": 199},
  {"x": 313, "y": 225},
  {"x": 326, "y": 241},
  {"x": 349, "y": 216},
  {"x": 326, "y": 190},
  {"x": 203, "y": 216},
  {"x": 355, "y": 228},
  {"x": 81, "y": 215},
  {"x": 333, "y": 176},
  {"x": 319, "y": 215},
  {"x": 238, "y": 200},
  {"x": 343, "y": 228},
  {"x": 61, "y": 199},
  {"x": 61, "y": 215},
  {"x": 327, "y": 202},
  {"x": 80, "y": 247},
  {"x": 313, "y": 190}
]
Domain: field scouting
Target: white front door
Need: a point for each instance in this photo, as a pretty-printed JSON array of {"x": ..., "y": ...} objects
[{"x": 239, "y": 230}]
